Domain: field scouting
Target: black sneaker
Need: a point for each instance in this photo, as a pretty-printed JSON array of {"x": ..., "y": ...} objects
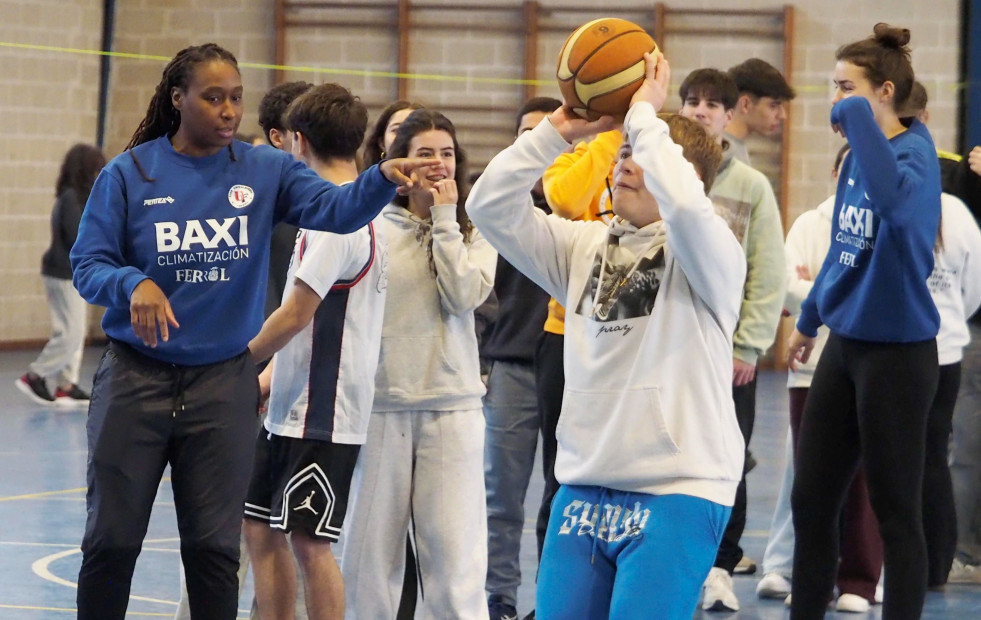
[
  {"x": 72, "y": 397},
  {"x": 35, "y": 388},
  {"x": 500, "y": 610}
]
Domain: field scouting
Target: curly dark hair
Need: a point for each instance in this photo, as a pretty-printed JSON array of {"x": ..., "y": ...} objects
[{"x": 272, "y": 108}]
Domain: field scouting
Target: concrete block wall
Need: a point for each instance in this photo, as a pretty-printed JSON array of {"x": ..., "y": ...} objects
[
  {"x": 50, "y": 99},
  {"x": 161, "y": 28},
  {"x": 48, "y": 102}
]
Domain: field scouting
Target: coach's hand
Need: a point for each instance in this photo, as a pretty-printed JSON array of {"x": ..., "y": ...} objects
[
  {"x": 149, "y": 311},
  {"x": 406, "y": 171}
]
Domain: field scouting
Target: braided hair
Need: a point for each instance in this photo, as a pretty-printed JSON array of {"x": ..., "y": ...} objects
[{"x": 162, "y": 119}]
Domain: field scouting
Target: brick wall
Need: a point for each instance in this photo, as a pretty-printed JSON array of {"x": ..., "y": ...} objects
[{"x": 49, "y": 100}]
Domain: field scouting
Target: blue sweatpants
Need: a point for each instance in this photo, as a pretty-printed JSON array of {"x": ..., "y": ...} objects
[{"x": 625, "y": 556}]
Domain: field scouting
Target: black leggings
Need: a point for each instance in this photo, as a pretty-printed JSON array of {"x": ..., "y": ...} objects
[
  {"x": 939, "y": 514},
  {"x": 867, "y": 401}
]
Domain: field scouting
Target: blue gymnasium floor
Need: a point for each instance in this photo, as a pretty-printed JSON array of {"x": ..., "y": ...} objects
[{"x": 42, "y": 507}]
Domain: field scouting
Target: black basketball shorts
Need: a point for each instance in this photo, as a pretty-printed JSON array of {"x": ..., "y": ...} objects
[{"x": 301, "y": 484}]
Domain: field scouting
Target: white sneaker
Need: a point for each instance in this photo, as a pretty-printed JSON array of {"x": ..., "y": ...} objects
[
  {"x": 852, "y": 603},
  {"x": 773, "y": 585},
  {"x": 717, "y": 594},
  {"x": 962, "y": 573}
]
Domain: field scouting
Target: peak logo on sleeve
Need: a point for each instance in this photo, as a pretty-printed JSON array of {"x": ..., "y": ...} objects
[{"x": 240, "y": 196}]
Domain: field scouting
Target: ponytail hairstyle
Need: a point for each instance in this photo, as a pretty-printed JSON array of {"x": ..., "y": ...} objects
[
  {"x": 373, "y": 152},
  {"x": 884, "y": 57},
  {"x": 81, "y": 166},
  {"x": 162, "y": 118}
]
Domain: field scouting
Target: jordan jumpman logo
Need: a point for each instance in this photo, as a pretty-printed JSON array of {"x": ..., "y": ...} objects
[{"x": 308, "y": 503}]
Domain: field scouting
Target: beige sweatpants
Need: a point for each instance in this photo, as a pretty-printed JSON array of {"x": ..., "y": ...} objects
[{"x": 427, "y": 466}]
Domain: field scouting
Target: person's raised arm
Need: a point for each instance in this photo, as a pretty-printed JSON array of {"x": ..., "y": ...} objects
[
  {"x": 464, "y": 269},
  {"x": 889, "y": 177},
  {"x": 708, "y": 252},
  {"x": 501, "y": 207}
]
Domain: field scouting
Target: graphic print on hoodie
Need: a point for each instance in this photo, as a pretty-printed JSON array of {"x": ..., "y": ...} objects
[{"x": 622, "y": 285}]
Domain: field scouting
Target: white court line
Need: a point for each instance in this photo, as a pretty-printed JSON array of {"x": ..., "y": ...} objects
[{"x": 40, "y": 568}]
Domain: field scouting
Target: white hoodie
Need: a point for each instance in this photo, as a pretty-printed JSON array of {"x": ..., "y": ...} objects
[
  {"x": 807, "y": 244},
  {"x": 428, "y": 358},
  {"x": 648, "y": 394},
  {"x": 955, "y": 283}
]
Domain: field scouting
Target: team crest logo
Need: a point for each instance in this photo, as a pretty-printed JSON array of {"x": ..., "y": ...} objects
[{"x": 240, "y": 196}]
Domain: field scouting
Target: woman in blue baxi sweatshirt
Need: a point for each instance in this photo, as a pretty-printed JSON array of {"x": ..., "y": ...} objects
[
  {"x": 174, "y": 242},
  {"x": 876, "y": 378}
]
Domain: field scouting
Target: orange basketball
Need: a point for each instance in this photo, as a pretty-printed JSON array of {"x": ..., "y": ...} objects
[{"x": 601, "y": 66}]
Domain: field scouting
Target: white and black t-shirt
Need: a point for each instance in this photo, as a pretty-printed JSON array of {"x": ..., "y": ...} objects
[{"x": 322, "y": 382}]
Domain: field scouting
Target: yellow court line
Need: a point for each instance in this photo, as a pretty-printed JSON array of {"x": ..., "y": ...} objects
[
  {"x": 434, "y": 77},
  {"x": 11, "y": 498}
]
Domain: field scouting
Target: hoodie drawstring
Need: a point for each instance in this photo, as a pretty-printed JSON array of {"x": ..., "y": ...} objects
[{"x": 600, "y": 515}]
